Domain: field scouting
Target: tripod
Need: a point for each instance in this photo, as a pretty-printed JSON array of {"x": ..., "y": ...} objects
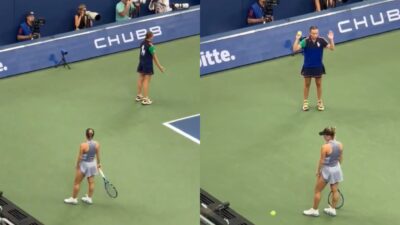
[{"x": 63, "y": 61}]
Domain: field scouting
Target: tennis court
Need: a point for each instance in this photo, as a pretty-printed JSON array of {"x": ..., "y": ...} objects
[
  {"x": 43, "y": 119},
  {"x": 260, "y": 150}
]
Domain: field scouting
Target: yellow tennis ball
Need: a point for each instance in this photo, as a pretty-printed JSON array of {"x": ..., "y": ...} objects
[
  {"x": 299, "y": 33},
  {"x": 273, "y": 213}
]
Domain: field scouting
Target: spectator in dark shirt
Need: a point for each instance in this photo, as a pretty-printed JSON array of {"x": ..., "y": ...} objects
[
  {"x": 25, "y": 30},
  {"x": 257, "y": 13}
]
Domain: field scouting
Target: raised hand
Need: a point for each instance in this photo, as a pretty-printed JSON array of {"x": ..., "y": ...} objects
[
  {"x": 330, "y": 35},
  {"x": 298, "y": 35}
]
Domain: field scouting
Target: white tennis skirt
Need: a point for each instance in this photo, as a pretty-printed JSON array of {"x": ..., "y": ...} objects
[
  {"x": 88, "y": 168},
  {"x": 332, "y": 174}
]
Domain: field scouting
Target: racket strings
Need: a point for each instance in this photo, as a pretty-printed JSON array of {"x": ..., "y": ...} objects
[{"x": 111, "y": 190}]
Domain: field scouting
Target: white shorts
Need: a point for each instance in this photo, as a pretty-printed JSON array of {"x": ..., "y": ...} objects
[
  {"x": 88, "y": 168},
  {"x": 332, "y": 174}
]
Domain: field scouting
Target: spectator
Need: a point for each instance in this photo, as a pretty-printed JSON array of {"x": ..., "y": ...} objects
[
  {"x": 25, "y": 30},
  {"x": 81, "y": 19},
  {"x": 124, "y": 10},
  {"x": 258, "y": 13},
  {"x": 324, "y": 4},
  {"x": 136, "y": 11},
  {"x": 160, "y": 6}
]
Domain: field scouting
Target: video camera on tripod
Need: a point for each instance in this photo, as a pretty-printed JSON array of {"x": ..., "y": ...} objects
[
  {"x": 269, "y": 9},
  {"x": 37, "y": 23}
]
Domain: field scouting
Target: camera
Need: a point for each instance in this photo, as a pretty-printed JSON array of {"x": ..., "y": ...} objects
[
  {"x": 177, "y": 6},
  {"x": 269, "y": 9},
  {"x": 93, "y": 15},
  {"x": 273, "y": 2},
  {"x": 161, "y": 6},
  {"x": 37, "y": 23}
]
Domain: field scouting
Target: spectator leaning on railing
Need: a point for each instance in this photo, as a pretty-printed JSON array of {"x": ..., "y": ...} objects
[
  {"x": 81, "y": 19},
  {"x": 325, "y": 4},
  {"x": 258, "y": 13},
  {"x": 25, "y": 30},
  {"x": 124, "y": 10}
]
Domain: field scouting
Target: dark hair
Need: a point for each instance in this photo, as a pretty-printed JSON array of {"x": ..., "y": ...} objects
[
  {"x": 89, "y": 133},
  {"x": 330, "y": 131},
  {"x": 149, "y": 34},
  {"x": 313, "y": 28}
]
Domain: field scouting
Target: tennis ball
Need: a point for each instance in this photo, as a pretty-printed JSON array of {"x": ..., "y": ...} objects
[
  {"x": 273, "y": 213},
  {"x": 299, "y": 33}
]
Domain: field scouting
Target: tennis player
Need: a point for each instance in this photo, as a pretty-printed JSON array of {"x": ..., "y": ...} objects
[
  {"x": 86, "y": 166},
  {"x": 145, "y": 69},
  {"x": 328, "y": 172},
  {"x": 313, "y": 67}
]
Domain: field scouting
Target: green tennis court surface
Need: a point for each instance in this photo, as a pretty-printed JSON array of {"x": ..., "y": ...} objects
[
  {"x": 260, "y": 151},
  {"x": 43, "y": 119}
]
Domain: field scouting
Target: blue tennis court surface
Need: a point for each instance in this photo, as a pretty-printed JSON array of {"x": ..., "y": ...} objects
[{"x": 189, "y": 127}]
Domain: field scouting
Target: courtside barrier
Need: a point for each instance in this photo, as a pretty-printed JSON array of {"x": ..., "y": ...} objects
[
  {"x": 97, "y": 41},
  {"x": 264, "y": 42}
]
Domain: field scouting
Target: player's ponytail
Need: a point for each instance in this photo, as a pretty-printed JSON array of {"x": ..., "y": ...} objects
[{"x": 332, "y": 131}]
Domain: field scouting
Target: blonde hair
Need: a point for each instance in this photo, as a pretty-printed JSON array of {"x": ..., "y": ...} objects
[{"x": 81, "y": 6}]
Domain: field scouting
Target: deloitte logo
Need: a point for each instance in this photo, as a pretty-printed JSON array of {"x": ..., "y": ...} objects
[
  {"x": 2, "y": 67},
  {"x": 209, "y": 58}
]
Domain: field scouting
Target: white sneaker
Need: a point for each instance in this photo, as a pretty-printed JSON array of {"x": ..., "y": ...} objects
[
  {"x": 320, "y": 106},
  {"x": 71, "y": 200},
  {"x": 311, "y": 212},
  {"x": 146, "y": 101},
  {"x": 330, "y": 211},
  {"x": 305, "y": 105},
  {"x": 87, "y": 199},
  {"x": 138, "y": 98}
]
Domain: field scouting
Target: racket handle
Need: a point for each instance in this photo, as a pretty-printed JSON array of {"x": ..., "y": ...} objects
[{"x": 101, "y": 172}]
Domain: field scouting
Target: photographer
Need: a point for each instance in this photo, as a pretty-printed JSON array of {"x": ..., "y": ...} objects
[
  {"x": 160, "y": 6},
  {"x": 124, "y": 10},
  {"x": 259, "y": 12},
  {"x": 163, "y": 6},
  {"x": 82, "y": 20},
  {"x": 25, "y": 30}
]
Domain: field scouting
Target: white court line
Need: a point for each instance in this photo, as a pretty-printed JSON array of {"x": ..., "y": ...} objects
[
  {"x": 97, "y": 30},
  {"x": 181, "y": 132},
  {"x": 293, "y": 22}
]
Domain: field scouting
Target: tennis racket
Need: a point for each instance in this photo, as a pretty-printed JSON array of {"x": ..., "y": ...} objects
[
  {"x": 110, "y": 189},
  {"x": 340, "y": 202}
]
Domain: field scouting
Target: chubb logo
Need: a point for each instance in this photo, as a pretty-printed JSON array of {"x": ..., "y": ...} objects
[
  {"x": 3, "y": 67},
  {"x": 209, "y": 58},
  {"x": 369, "y": 20},
  {"x": 123, "y": 38}
]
